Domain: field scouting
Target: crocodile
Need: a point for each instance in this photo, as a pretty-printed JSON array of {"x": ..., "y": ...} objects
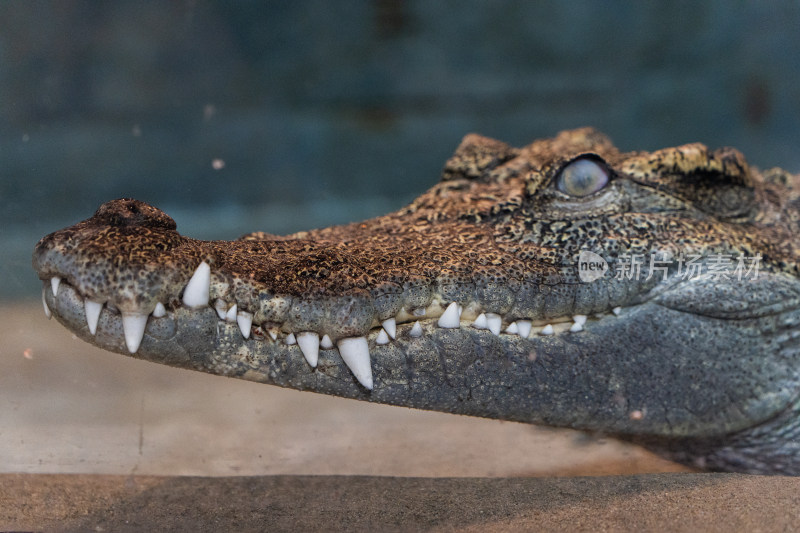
[{"x": 649, "y": 296}]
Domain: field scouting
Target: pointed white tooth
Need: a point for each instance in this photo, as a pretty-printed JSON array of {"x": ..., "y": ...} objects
[
  {"x": 524, "y": 327},
  {"x": 230, "y": 316},
  {"x": 308, "y": 341},
  {"x": 416, "y": 330},
  {"x": 133, "y": 325},
  {"x": 160, "y": 310},
  {"x": 580, "y": 319},
  {"x": 92, "y": 314},
  {"x": 617, "y": 310},
  {"x": 196, "y": 292},
  {"x": 390, "y": 325},
  {"x": 495, "y": 322},
  {"x": 54, "y": 283},
  {"x": 383, "y": 337},
  {"x": 355, "y": 354},
  {"x": 47, "y": 311},
  {"x": 326, "y": 342},
  {"x": 449, "y": 318},
  {"x": 245, "y": 321},
  {"x": 576, "y": 327},
  {"x": 512, "y": 329},
  {"x": 547, "y": 330},
  {"x": 481, "y": 322},
  {"x": 290, "y": 339},
  {"x": 273, "y": 334},
  {"x": 221, "y": 307}
]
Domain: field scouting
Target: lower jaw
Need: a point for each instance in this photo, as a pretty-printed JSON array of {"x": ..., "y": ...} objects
[
  {"x": 112, "y": 332},
  {"x": 181, "y": 337}
]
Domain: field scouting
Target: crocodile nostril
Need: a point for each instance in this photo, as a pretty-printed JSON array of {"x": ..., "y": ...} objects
[{"x": 126, "y": 212}]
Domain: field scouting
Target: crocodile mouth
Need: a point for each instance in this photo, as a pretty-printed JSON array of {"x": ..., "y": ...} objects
[{"x": 104, "y": 324}]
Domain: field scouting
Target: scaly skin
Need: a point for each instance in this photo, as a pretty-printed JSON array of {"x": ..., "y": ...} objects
[{"x": 702, "y": 368}]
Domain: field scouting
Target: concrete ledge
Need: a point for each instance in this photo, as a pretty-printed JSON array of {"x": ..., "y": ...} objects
[{"x": 652, "y": 502}]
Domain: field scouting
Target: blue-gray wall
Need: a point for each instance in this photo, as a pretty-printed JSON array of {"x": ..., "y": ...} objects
[{"x": 327, "y": 111}]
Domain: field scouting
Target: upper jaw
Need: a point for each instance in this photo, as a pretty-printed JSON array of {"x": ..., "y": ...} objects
[
  {"x": 96, "y": 288},
  {"x": 273, "y": 296},
  {"x": 273, "y": 289}
]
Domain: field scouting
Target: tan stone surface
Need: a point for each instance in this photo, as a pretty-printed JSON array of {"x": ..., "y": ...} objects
[{"x": 651, "y": 502}]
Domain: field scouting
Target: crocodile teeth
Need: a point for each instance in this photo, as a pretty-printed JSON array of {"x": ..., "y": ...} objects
[
  {"x": 92, "y": 314},
  {"x": 579, "y": 322},
  {"x": 290, "y": 339},
  {"x": 245, "y": 321},
  {"x": 54, "y": 283},
  {"x": 524, "y": 327},
  {"x": 230, "y": 316},
  {"x": 416, "y": 330},
  {"x": 617, "y": 310},
  {"x": 326, "y": 342},
  {"x": 449, "y": 318},
  {"x": 355, "y": 354},
  {"x": 512, "y": 329},
  {"x": 133, "y": 325},
  {"x": 308, "y": 341},
  {"x": 547, "y": 330},
  {"x": 160, "y": 310},
  {"x": 383, "y": 337},
  {"x": 419, "y": 312},
  {"x": 481, "y": 322},
  {"x": 272, "y": 334},
  {"x": 221, "y": 307},
  {"x": 494, "y": 322},
  {"x": 47, "y": 311},
  {"x": 390, "y": 325},
  {"x": 196, "y": 292}
]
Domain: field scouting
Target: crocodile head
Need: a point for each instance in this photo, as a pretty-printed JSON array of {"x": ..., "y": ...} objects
[{"x": 653, "y": 296}]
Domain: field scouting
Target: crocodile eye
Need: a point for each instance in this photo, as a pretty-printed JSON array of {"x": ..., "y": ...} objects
[{"x": 582, "y": 177}]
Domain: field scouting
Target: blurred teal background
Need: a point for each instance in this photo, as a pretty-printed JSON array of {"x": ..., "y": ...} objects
[{"x": 326, "y": 112}]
